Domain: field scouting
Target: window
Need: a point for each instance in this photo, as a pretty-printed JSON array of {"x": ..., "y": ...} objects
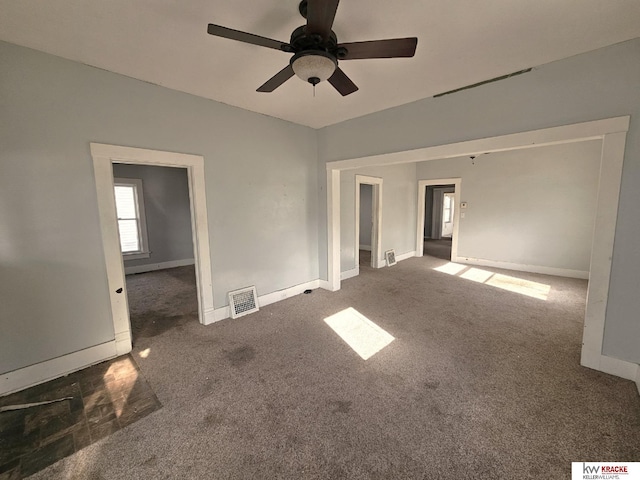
[
  {"x": 131, "y": 220},
  {"x": 447, "y": 211}
]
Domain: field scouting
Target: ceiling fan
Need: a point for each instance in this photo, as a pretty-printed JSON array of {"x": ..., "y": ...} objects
[{"x": 316, "y": 50}]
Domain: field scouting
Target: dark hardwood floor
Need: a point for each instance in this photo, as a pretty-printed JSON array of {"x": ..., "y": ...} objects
[{"x": 98, "y": 401}]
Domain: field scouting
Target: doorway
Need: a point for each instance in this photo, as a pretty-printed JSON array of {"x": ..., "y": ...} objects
[
  {"x": 439, "y": 220},
  {"x": 611, "y": 131},
  {"x": 154, "y": 222},
  {"x": 366, "y": 224},
  {"x": 368, "y": 220},
  {"x": 104, "y": 156}
]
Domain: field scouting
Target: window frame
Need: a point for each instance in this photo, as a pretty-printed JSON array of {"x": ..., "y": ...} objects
[{"x": 143, "y": 238}]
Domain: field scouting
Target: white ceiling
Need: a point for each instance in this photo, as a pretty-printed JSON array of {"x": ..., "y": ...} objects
[{"x": 460, "y": 42}]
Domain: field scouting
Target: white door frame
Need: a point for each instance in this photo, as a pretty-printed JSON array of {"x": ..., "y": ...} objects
[
  {"x": 376, "y": 214},
  {"x": 422, "y": 187},
  {"x": 611, "y": 131},
  {"x": 104, "y": 156}
]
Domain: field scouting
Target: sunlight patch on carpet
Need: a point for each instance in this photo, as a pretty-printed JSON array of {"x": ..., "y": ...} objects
[
  {"x": 497, "y": 280},
  {"x": 518, "y": 285},
  {"x": 476, "y": 275},
  {"x": 450, "y": 268},
  {"x": 361, "y": 334}
]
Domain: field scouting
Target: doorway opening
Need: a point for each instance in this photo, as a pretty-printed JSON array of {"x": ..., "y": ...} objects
[
  {"x": 366, "y": 225},
  {"x": 104, "y": 156},
  {"x": 154, "y": 223},
  {"x": 611, "y": 131},
  {"x": 368, "y": 219},
  {"x": 439, "y": 219}
]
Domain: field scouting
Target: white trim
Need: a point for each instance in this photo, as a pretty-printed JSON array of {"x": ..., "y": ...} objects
[
  {"x": 135, "y": 256},
  {"x": 152, "y": 267},
  {"x": 366, "y": 248},
  {"x": 617, "y": 367},
  {"x": 577, "y": 132},
  {"x": 57, "y": 367},
  {"x": 405, "y": 256},
  {"x": 457, "y": 192},
  {"x": 123, "y": 343},
  {"x": 223, "y": 313},
  {"x": 333, "y": 234},
  {"x": 521, "y": 267},
  {"x": 354, "y": 272},
  {"x": 377, "y": 260},
  {"x": 325, "y": 285},
  {"x": 637, "y": 379},
  {"x": 613, "y": 146},
  {"x": 103, "y": 158},
  {"x": 611, "y": 131}
]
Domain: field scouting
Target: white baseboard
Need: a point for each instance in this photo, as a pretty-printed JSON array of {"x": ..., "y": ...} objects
[
  {"x": 152, "y": 267},
  {"x": 610, "y": 365},
  {"x": 558, "y": 272},
  {"x": 404, "y": 256},
  {"x": 638, "y": 379},
  {"x": 123, "y": 343},
  {"x": 274, "y": 297},
  {"x": 399, "y": 258},
  {"x": 365, "y": 247},
  {"x": 325, "y": 285},
  {"x": 354, "y": 272},
  {"x": 57, "y": 367},
  {"x": 264, "y": 300},
  {"x": 209, "y": 317}
]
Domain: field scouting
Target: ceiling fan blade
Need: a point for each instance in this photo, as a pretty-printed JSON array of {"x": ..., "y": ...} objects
[
  {"x": 245, "y": 37},
  {"x": 342, "y": 83},
  {"x": 320, "y": 16},
  {"x": 395, "y": 47},
  {"x": 278, "y": 79}
]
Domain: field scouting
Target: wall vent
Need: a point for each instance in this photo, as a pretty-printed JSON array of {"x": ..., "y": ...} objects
[
  {"x": 390, "y": 255},
  {"x": 243, "y": 302}
]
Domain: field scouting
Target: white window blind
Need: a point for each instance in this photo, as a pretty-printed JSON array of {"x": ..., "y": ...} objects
[{"x": 130, "y": 213}]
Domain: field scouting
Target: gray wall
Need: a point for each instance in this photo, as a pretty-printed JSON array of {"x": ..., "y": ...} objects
[
  {"x": 260, "y": 172},
  {"x": 366, "y": 202},
  {"x": 398, "y": 230},
  {"x": 600, "y": 84},
  {"x": 167, "y": 211},
  {"x": 528, "y": 207}
]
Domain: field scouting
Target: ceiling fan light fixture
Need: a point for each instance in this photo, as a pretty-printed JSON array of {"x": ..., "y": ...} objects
[{"x": 313, "y": 66}]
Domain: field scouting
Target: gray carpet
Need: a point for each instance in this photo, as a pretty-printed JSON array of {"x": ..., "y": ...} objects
[
  {"x": 479, "y": 383},
  {"x": 438, "y": 248}
]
